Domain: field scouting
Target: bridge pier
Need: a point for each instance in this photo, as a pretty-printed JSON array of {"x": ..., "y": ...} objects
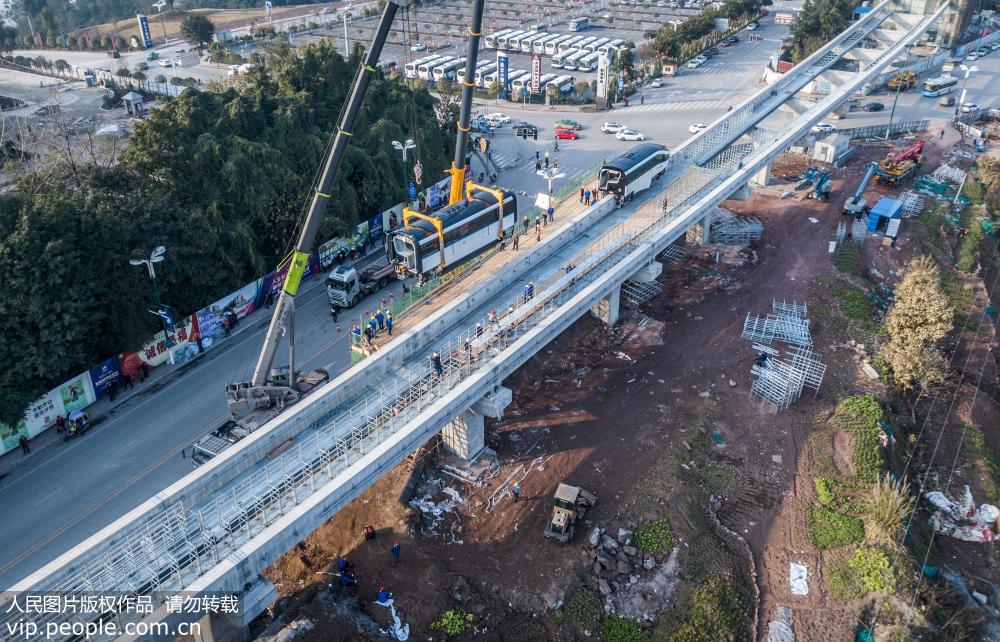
[
  {"x": 233, "y": 627},
  {"x": 465, "y": 435},
  {"x": 763, "y": 177},
  {"x": 649, "y": 273},
  {"x": 607, "y": 308}
]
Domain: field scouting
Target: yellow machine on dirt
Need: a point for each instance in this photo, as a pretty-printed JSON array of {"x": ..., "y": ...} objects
[
  {"x": 569, "y": 506},
  {"x": 903, "y": 81}
]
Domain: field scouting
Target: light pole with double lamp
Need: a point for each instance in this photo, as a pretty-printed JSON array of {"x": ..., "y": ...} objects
[
  {"x": 156, "y": 256},
  {"x": 968, "y": 69},
  {"x": 403, "y": 147}
]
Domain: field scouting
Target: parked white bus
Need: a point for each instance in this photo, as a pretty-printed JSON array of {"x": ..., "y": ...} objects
[
  {"x": 538, "y": 46},
  {"x": 541, "y": 26},
  {"x": 449, "y": 70},
  {"x": 482, "y": 72},
  {"x": 579, "y": 24},
  {"x": 588, "y": 62},
  {"x": 426, "y": 70},
  {"x": 411, "y": 68},
  {"x": 559, "y": 59},
  {"x": 512, "y": 74},
  {"x": 544, "y": 80},
  {"x": 609, "y": 46},
  {"x": 503, "y": 42},
  {"x": 552, "y": 46},
  {"x": 564, "y": 83},
  {"x": 586, "y": 41},
  {"x": 592, "y": 47},
  {"x": 528, "y": 44},
  {"x": 460, "y": 74},
  {"x": 490, "y": 42},
  {"x": 570, "y": 61},
  {"x": 571, "y": 43},
  {"x": 514, "y": 42}
]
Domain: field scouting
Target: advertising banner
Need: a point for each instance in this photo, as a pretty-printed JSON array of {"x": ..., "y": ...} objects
[
  {"x": 376, "y": 230},
  {"x": 438, "y": 193},
  {"x": 10, "y": 434},
  {"x": 536, "y": 73},
  {"x": 242, "y": 302},
  {"x": 147, "y": 38},
  {"x": 76, "y": 394},
  {"x": 156, "y": 353},
  {"x": 42, "y": 414},
  {"x": 103, "y": 374}
]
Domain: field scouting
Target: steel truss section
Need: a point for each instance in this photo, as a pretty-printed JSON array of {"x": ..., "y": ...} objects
[
  {"x": 776, "y": 382},
  {"x": 790, "y": 309},
  {"x": 813, "y": 370},
  {"x": 672, "y": 255},
  {"x": 859, "y": 229},
  {"x": 729, "y": 229},
  {"x": 912, "y": 203}
]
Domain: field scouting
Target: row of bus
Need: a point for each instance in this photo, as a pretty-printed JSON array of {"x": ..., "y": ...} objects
[
  {"x": 576, "y": 60},
  {"x": 551, "y": 43},
  {"x": 435, "y": 68}
]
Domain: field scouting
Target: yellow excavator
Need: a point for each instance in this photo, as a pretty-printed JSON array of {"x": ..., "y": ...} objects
[
  {"x": 568, "y": 507},
  {"x": 902, "y": 81}
]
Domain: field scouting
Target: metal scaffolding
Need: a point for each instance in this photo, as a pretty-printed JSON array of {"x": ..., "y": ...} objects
[
  {"x": 813, "y": 370},
  {"x": 776, "y": 382},
  {"x": 765, "y": 328},
  {"x": 859, "y": 229},
  {"x": 912, "y": 203},
  {"x": 672, "y": 255},
  {"x": 729, "y": 229},
  {"x": 638, "y": 293},
  {"x": 841, "y": 232},
  {"x": 790, "y": 309},
  {"x": 779, "y": 381}
]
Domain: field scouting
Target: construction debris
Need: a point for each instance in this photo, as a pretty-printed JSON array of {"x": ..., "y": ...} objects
[
  {"x": 434, "y": 513},
  {"x": 960, "y": 519},
  {"x": 948, "y": 173},
  {"x": 912, "y": 203},
  {"x": 636, "y": 293}
]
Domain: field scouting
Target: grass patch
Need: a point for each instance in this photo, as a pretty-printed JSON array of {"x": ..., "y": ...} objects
[
  {"x": 854, "y": 303},
  {"x": 618, "y": 629},
  {"x": 655, "y": 537},
  {"x": 859, "y": 416},
  {"x": 847, "y": 259},
  {"x": 967, "y": 251},
  {"x": 716, "y": 612},
  {"x": 830, "y": 529},
  {"x": 869, "y": 569},
  {"x": 987, "y": 460},
  {"x": 927, "y": 230},
  {"x": 584, "y": 608}
]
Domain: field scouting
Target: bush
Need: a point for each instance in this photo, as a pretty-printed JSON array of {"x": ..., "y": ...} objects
[
  {"x": 864, "y": 405},
  {"x": 967, "y": 259},
  {"x": 830, "y": 529},
  {"x": 887, "y": 508},
  {"x": 618, "y": 629},
  {"x": 823, "y": 491},
  {"x": 874, "y": 571},
  {"x": 160, "y": 78},
  {"x": 453, "y": 622},
  {"x": 654, "y": 537},
  {"x": 716, "y": 613}
]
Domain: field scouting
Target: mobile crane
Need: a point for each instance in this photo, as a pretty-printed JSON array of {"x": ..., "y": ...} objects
[
  {"x": 894, "y": 168},
  {"x": 855, "y": 205},
  {"x": 271, "y": 389}
]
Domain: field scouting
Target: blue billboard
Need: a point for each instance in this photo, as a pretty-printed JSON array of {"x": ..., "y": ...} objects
[
  {"x": 147, "y": 38},
  {"x": 103, "y": 374},
  {"x": 502, "y": 75}
]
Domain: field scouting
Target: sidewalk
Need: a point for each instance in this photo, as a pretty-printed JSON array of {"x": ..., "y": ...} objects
[{"x": 158, "y": 378}]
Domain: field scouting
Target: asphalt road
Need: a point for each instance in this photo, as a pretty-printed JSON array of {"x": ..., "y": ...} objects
[{"x": 65, "y": 493}]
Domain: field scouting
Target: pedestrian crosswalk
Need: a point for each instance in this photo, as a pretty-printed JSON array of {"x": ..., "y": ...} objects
[
  {"x": 727, "y": 70},
  {"x": 686, "y": 105}
]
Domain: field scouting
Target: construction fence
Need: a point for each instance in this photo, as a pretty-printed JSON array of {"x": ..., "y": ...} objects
[{"x": 879, "y": 131}]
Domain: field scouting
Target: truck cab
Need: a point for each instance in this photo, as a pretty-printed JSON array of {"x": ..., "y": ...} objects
[{"x": 342, "y": 287}]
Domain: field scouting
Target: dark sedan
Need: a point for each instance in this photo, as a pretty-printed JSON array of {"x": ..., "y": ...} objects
[{"x": 874, "y": 107}]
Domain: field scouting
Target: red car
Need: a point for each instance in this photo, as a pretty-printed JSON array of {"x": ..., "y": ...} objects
[{"x": 567, "y": 133}]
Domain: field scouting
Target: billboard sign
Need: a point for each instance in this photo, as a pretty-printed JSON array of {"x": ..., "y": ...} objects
[
  {"x": 502, "y": 75},
  {"x": 536, "y": 73},
  {"x": 102, "y": 375},
  {"x": 147, "y": 38},
  {"x": 603, "y": 69}
]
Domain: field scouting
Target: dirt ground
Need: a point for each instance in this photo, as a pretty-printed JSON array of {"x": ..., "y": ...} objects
[{"x": 654, "y": 417}]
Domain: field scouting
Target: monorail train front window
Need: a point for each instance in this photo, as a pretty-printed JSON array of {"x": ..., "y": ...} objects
[
  {"x": 403, "y": 248},
  {"x": 609, "y": 180}
]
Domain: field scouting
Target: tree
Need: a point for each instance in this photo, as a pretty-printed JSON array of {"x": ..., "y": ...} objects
[
  {"x": 123, "y": 72},
  {"x": 105, "y": 42},
  {"x": 921, "y": 316},
  {"x": 197, "y": 29},
  {"x": 817, "y": 23},
  {"x": 494, "y": 89},
  {"x": 138, "y": 75},
  {"x": 61, "y": 66},
  {"x": 72, "y": 43},
  {"x": 160, "y": 78}
]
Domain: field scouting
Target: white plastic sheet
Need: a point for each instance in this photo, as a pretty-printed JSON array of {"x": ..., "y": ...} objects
[{"x": 798, "y": 578}]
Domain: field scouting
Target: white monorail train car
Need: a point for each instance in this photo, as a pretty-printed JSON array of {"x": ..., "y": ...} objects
[
  {"x": 633, "y": 171},
  {"x": 470, "y": 227}
]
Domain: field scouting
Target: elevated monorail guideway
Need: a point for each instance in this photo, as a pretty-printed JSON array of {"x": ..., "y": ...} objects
[{"x": 218, "y": 528}]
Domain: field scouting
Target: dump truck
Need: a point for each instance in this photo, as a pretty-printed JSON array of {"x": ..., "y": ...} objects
[
  {"x": 345, "y": 285},
  {"x": 568, "y": 507}
]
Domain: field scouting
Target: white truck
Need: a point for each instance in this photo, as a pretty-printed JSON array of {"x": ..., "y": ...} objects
[{"x": 345, "y": 285}]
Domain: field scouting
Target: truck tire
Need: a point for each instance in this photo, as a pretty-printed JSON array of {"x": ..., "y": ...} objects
[
  {"x": 354, "y": 301},
  {"x": 384, "y": 281}
]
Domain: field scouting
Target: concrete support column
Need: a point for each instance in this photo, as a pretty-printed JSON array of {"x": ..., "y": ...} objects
[
  {"x": 649, "y": 273},
  {"x": 607, "y": 309},
  {"x": 233, "y": 627},
  {"x": 465, "y": 435},
  {"x": 763, "y": 177}
]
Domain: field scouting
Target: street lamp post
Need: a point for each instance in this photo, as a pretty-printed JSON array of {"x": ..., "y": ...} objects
[
  {"x": 156, "y": 256},
  {"x": 968, "y": 69},
  {"x": 899, "y": 87},
  {"x": 403, "y": 147},
  {"x": 549, "y": 175}
]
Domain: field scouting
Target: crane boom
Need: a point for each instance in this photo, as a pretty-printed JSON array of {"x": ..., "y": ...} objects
[
  {"x": 468, "y": 85},
  {"x": 261, "y": 390}
]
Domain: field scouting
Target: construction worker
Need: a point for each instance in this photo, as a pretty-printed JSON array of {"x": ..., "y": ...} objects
[
  {"x": 436, "y": 363},
  {"x": 479, "y": 329},
  {"x": 491, "y": 318},
  {"x": 380, "y": 318},
  {"x": 516, "y": 492},
  {"x": 395, "y": 552},
  {"x": 384, "y": 595},
  {"x": 343, "y": 565},
  {"x": 348, "y": 580},
  {"x": 388, "y": 322}
]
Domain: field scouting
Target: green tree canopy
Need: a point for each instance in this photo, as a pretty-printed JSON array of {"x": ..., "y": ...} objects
[{"x": 197, "y": 29}]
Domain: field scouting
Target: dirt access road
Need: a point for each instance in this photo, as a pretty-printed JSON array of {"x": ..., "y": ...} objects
[{"x": 653, "y": 416}]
